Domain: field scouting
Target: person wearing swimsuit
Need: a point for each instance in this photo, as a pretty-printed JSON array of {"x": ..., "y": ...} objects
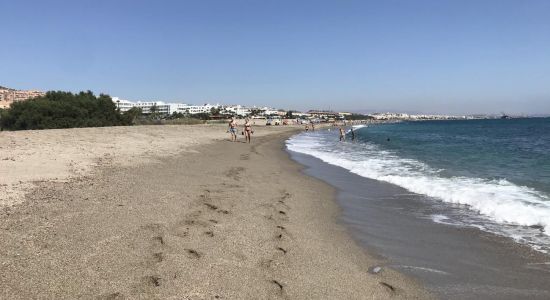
[
  {"x": 233, "y": 129},
  {"x": 247, "y": 129}
]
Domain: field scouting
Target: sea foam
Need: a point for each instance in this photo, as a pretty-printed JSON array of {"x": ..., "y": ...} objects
[{"x": 499, "y": 200}]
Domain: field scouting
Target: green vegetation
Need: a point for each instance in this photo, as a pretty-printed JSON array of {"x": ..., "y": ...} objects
[
  {"x": 65, "y": 110},
  {"x": 289, "y": 115},
  {"x": 176, "y": 118}
]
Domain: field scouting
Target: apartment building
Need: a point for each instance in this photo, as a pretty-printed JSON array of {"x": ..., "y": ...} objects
[
  {"x": 163, "y": 107},
  {"x": 8, "y": 96}
]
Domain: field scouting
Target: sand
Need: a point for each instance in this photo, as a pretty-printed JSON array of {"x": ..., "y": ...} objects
[
  {"x": 27, "y": 157},
  {"x": 177, "y": 215}
]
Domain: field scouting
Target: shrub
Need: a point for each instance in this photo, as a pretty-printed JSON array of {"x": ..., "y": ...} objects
[{"x": 59, "y": 109}]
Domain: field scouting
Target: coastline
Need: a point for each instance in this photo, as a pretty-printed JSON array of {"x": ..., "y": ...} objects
[
  {"x": 221, "y": 220},
  {"x": 453, "y": 262}
]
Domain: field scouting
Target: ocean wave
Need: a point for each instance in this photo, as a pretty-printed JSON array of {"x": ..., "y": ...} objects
[{"x": 500, "y": 200}]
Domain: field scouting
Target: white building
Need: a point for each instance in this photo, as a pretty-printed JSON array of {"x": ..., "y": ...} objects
[
  {"x": 160, "y": 107},
  {"x": 268, "y": 111},
  {"x": 123, "y": 105},
  {"x": 238, "y": 110},
  {"x": 197, "y": 109}
]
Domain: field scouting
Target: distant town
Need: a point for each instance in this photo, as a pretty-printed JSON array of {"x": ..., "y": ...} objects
[
  {"x": 8, "y": 96},
  {"x": 161, "y": 108}
]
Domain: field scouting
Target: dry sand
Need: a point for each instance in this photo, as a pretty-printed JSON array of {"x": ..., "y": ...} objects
[
  {"x": 27, "y": 157},
  {"x": 176, "y": 215}
]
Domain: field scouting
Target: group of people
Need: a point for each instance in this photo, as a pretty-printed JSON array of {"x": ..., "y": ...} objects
[
  {"x": 247, "y": 130},
  {"x": 312, "y": 126},
  {"x": 342, "y": 131},
  {"x": 343, "y": 134}
]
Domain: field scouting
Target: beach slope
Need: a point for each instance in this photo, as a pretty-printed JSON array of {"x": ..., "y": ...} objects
[{"x": 221, "y": 220}]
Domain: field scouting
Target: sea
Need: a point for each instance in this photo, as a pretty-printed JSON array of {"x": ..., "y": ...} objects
[{"x": 493, "y": 175}]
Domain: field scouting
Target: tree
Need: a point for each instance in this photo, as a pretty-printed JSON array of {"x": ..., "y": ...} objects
[
  {"x": 62, "y": 110},
  {"x": 2, "y": 112},
  {"x": 214, "y": 111},
  {"x": 130, "y": 116},
  {"x": 202, "y": 116},
  {"x": 177, "y": 115},
  {"x": 154, "y": 112},
  {"x": 255, "y": 112},
  {"x": 289, "y": 115}
]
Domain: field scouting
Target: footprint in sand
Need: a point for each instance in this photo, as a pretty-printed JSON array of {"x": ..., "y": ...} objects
[
  {"x": 266, "y": 263},
  {"x": 279, "y": 285},
  {"x": 211, "y": 206},
  {"x": 112, "y": 296},
  {"x": 158, "y": 257},
  {"x": 234, "y": 173},
  {"x": 282, "y": 250},
  {"x": 159, "y": 239},
  {"x": 388, "y": 286},
  {"x": 282, "y": 232},
  {"x": 193, "y": 253},
  {"x": 153, "y": 280}
]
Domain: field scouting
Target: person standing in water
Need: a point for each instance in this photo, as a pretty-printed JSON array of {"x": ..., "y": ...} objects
[
  {"x": 247, "y": 130},
  {"x": 342, "y": 134},
  {"x": 312, "y": 126},
  {"x": 233, "y": 129},
  {"x": 352, "y": 134}
]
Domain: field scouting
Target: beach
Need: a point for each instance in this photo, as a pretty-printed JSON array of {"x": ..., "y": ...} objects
[
  {"x": 175, "y": 212},
  {"x": 460, "y": 205},
  {"x": 453, "y": 262}
]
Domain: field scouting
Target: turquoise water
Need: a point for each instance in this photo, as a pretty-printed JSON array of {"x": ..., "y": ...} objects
[
  {"x": 498, "y": 170},
  {"x": 517, "y": 150}
]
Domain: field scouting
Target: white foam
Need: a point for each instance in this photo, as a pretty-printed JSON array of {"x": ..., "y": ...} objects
[
  {"x": 500, "y": 200},
  {"x": 423, "y": 269},
  {"x": 442, "y": 219}
]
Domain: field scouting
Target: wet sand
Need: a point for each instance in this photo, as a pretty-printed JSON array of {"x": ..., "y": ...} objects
[
  {"x": 453, "y": 262},
  {"x": 220, "y": 220}
]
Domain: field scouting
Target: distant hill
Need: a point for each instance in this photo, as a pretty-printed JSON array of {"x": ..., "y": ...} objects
[{"x": 8, "y": 96}]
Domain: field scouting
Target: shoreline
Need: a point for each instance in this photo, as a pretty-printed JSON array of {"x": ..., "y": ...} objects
[
  {"x": 453, "y": 262},
  {"x": 221, "y": 220}
]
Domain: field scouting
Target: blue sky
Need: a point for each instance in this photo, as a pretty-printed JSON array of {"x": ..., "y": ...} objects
[{"x": 426, "y": 56}]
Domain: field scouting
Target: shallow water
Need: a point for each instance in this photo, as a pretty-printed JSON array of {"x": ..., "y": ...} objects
[
  {"x": 455, "y": 262},
  {"x": 498, "y": 170}
]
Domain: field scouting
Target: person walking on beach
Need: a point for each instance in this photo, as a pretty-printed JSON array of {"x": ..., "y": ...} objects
[
  {"x": 312, "y": 126},
  {"x": 247, "y": 129},
  {"x": 342, "y": 134},
  {"x": 233, "y": 129}
]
